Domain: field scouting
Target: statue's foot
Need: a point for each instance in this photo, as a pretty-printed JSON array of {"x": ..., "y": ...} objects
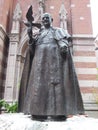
[
  {"x": 56, "y": 118},
  {"x": 48, "y": 118},
  {"x": 39, "y": 118}
]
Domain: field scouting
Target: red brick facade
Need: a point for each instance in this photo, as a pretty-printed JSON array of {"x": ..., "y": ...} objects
[
  {"x": 81, "y": 17},
  {"x": 6, "y": 13}
]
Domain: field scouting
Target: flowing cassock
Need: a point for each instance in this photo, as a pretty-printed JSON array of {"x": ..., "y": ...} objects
[{"x": 49, "y": 84}]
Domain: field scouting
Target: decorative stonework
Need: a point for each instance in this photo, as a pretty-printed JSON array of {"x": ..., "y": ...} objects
[
  {"x": 17, "y": 12},
  {"x": 63, "y": 17},
  {"x": 14, "y": 37},
  {"x": 41, "y": 10},
  {"x": 20, "y": 58},
  {"x": 16, "y": 19},
  {"x": 41, "y": 7},
  {"x": 23, "y": 40}
]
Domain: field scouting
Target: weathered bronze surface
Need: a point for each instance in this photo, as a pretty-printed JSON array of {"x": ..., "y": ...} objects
[{"x": 49, "y": 85}]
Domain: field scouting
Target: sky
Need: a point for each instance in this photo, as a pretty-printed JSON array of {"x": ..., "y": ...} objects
[{"x": 94, "y": 12}]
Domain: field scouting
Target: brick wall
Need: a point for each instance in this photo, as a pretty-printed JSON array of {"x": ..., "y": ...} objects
[
  {"x": 5, "y": 14},
  {"x": 81, "y": 17}
]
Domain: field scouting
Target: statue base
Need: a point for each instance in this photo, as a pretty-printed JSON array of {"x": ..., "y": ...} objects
[{"x": 20, "y": 121}]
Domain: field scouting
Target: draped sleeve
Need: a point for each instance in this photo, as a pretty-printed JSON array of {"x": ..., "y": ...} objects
[
  {"x": 61, "y": 34},
  {"x": 62, "y": 37}
]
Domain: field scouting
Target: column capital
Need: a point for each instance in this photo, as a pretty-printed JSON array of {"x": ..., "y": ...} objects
[{"x": 14, "y": 37}]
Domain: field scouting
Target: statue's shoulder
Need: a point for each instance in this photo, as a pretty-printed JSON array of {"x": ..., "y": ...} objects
[
  {"x": 56, "y": 29},
  {"x": 60, "y": 33}
]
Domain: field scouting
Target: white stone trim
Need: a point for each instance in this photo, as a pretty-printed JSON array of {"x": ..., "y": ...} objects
[
  {"x": 83, "y": 36},
  {"x": 84, "y": 59},
  {"x": 83, "y": 48},
  {"x": 81, "y": 18},
  {"x": 72, "y": 5},
  {"x": 88, "y": 83},
  {"x": 88, "y": 71},
  {"x": 88, "y": 98}
]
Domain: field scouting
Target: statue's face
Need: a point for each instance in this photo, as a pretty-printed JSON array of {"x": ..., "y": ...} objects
[{"x": 46, "y": 20}]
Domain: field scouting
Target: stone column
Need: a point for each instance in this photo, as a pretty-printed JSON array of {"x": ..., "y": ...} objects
[
  {"x": 19, "y": 68},
  {"x": 11, "y": 79},
  {"x": 11, "y": 66}
]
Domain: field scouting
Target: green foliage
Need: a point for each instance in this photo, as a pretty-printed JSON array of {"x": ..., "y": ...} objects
[{"x": 9, "y": 108}]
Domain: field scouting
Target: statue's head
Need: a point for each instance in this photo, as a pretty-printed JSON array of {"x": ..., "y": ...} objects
[{"x": 47, "y": 19}]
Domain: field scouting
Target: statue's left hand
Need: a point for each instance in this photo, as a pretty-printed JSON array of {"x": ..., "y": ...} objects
[{"x": 63, "y": 51}]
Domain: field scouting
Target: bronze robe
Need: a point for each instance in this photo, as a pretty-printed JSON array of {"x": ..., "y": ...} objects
[{"x": 49, "y": 84}]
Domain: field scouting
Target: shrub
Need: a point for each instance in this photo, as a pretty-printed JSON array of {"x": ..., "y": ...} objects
[{"x": 9, "y": 108}]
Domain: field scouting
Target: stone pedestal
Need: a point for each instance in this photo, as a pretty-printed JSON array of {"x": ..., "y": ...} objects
[{"x": 24, "y": 122}]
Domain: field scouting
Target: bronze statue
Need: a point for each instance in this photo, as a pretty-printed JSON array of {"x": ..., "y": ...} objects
[{"x": 49, "y": 85}]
